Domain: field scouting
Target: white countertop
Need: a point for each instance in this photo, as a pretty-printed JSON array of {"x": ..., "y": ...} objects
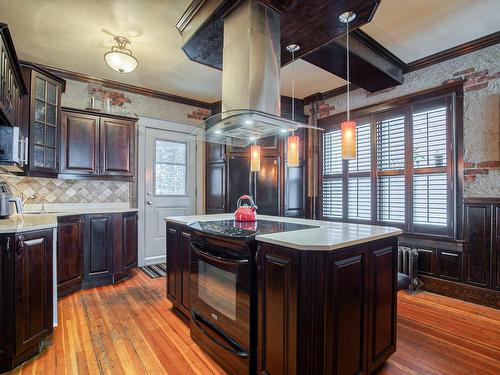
[
  {"x": 329, "y": 236},
  {"x": 27, "y": 221}
]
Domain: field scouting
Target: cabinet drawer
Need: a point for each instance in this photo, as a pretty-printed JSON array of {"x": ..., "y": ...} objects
[{"x": 449, "y": 265}]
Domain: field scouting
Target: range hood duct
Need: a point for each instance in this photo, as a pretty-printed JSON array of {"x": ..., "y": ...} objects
[{"x": 251, "y": 102}]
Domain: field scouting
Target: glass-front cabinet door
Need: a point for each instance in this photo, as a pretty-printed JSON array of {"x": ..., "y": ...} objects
[{"x": 44, "y": 123}]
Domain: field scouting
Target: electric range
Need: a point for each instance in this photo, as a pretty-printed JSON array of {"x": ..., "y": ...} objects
[{"x": 223, "y": 288}]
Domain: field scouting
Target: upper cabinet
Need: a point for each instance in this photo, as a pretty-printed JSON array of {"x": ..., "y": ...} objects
[
  {"x": 41, "y": 114},
  {"x": 12, "y": 87},
  {"x": 97, "y": 145}
]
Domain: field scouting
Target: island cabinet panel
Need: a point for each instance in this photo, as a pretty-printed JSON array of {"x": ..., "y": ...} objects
[
  {"x": 98, "y": 254},
  {"x": 277, "y": 294},
  {"x": 383, "y": 298},
  {"x": 69, "y": 254},
  {"x": 33, "y": 288},
  {"x": 346, "y": 291},
  {"x": 124, "y": 244},
  {"x": 178, "y": 267},
  {"x": 7, "y": 249},
  {"x": 326, "y": 312},
  {"x": 477, "y": 235}
]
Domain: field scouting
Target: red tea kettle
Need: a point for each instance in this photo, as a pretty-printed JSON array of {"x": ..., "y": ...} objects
[{"x": 245, "y": 212}]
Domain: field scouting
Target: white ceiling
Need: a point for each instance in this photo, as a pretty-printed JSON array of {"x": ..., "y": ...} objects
[{"x": 69, "y": 34}]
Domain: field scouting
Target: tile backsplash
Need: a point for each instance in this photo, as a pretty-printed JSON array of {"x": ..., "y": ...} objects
[{"x": 51, "y": 190}]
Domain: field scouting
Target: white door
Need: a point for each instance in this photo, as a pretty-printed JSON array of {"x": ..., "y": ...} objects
[{"x": 170, "y": 185}]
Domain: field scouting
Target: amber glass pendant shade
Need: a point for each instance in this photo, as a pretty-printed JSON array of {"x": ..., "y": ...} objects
[
  {"x": 255, "y": 158},
  {"x": 348, "y": 130},
  {"x": 293, "y": 151}
]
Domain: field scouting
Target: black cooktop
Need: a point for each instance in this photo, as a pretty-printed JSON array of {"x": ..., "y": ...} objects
[{"x": 238, "y": 229}]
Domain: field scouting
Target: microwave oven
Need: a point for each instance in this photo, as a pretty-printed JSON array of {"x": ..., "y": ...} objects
[{"x": 13, "y": 149}]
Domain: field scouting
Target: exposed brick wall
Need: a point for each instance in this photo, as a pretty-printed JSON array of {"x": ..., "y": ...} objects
[
  {"x": 473, "y": 80},
  {"x": 199, "y": 114},
  {"x": 472, "y": 170}
]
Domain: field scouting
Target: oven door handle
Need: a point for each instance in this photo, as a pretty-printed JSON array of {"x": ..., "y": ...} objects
[
  {"x": 217, "y": 258},
  {"x": 237, "y": 353}
]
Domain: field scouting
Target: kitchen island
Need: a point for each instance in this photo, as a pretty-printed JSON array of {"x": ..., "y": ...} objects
[{"x": 324, "y": 299}]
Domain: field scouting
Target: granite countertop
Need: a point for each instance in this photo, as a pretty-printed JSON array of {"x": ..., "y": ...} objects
[
  {"x": 329, "y": 236},
  {"x": 33, "y": 220}
]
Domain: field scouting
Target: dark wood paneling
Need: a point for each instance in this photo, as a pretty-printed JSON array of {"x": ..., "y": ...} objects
[
  {"x": 215, "y": 152},
  {"x": 7, "y": 310},
  {"x": 173, "y": 268},
  {"x": 449, "y": 265},
  {"x": 267, "y": 186},
  {"x": 216, "y": 188},
  {"x": 33, "y": 288},
  {"x": 477, "y": 250},
  {"x": 382, "y": 322},
  {"x": 495, "y": 275},
  {"x": 426, "y": 261},
  {"x": 238, "y": 176},
  {"x": 117, "y": 147},
  {"x": 185, "y": 269},
  {"x": 69, "y": 254},
  {"x": 98, "y": 250},
  {"x": 456, "y": 51},
  {"x": 347, "y": 306},
  {"x": 278, "y": 312},
  {"x": 79, "y": 144}
]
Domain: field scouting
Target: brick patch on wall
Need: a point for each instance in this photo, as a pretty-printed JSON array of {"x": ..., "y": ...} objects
[
  {"x": 199, "y": 114},
  {"x": 472, "y": 170},
  {"x": 473, "y": 80}
]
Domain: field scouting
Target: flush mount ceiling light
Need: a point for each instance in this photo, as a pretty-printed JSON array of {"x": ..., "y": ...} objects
[
  {"x": 120, "y": 57},
  {"x": 348, "y": 128},
  {"x": 293, "y": 140}
]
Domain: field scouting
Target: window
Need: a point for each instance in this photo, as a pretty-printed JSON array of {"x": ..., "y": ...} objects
[
  {"x": 170, "y": 168},
  {"x": 404, "y": 171}
]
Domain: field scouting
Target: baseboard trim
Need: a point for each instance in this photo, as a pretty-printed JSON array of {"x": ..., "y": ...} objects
[{"x": 468, "y": 293}]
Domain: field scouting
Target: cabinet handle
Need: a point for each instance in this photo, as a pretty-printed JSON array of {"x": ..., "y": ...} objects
[
  {"x": 9, "y": 110},
  {"x": 7, "y": 248},
  {"x": 449, "y": 254}
]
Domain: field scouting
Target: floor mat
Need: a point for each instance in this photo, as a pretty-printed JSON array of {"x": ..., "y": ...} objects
[{"x": 155, "y": 270}]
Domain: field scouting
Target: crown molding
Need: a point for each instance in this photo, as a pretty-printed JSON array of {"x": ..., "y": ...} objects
[{"x": 81, "y": 77}]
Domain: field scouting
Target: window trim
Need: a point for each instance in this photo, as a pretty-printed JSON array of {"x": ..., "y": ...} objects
[{"x": 454, "y": 167}]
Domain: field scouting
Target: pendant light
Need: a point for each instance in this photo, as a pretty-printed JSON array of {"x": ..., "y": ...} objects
[
  {"x": 120, "y": 57},
  {"x": 293, "y": 140},
  {"x": 255, "y": 158},
  {"x": 348, "y": 128}
]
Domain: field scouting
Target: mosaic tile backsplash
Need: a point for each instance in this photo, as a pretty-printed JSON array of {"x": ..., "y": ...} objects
[{"x": 50, "y": 190}]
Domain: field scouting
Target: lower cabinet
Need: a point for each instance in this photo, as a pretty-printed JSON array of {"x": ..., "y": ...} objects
[
  {"x": 95, "y": 249},
  {"x": 26, "y": 312},
  {"x": 178, "y": 267},
  {"x": 356, "y": 324}
]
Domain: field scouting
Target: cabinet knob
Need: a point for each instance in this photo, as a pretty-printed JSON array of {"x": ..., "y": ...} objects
[
  {"x": 150, "y": 203},
  {"x": 20, "y": 245}
]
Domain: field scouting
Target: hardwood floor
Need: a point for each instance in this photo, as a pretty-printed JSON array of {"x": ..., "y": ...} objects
[{"x": 129, "y": 328}]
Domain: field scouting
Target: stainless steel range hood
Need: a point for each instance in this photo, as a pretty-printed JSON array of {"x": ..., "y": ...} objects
[{"x": 250, "y": 78}]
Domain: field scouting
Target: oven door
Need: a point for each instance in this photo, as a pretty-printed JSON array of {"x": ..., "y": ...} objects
[{"x": 221, "y": 292}]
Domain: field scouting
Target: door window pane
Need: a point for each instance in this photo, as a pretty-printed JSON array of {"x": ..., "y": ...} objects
[
  {"x": 170, "y": 168},
  {"x": 40, "y": 89}
]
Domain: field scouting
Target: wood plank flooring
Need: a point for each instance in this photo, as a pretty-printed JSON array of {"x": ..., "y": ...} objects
[{"x": 129, "y": 328}]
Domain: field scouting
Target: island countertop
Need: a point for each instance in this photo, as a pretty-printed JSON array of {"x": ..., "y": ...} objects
[{"x": 328, "y": 236}]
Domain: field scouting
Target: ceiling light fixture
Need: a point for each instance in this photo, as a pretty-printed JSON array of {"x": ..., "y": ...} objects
[
  {"x": 348, "y": 128},
  {"x": 120, "y": 57},
  {"x": 293, "y": 140}
]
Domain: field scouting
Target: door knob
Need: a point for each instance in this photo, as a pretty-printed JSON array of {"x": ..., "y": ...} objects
[{"x": 149, "y": 203}]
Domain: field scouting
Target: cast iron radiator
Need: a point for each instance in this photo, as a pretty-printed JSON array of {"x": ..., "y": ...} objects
[{"x": 407, "y": 264}]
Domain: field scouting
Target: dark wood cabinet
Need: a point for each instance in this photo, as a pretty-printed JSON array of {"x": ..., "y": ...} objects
[
  {"x": 477, "y": 250},
  {"x": 12, "y": 86},
  {"x": 353, "y": 331},
  {"x": 69, "y": 254},
  {"x": 449, "y": 265},
  {"x": 117, "y": 143},
  {"x": 98, "y": 250},
  {"x": 79, "y": 144},
  {"x": 26, "y": 291},
  {"x": 124, "y": 244},
  {"x": 267, "y": 185},
  {"x": 495, "y": 275},
  {"x": 239, "y": 179},
  {"x": 178, "y": 267},
  {"x": 97, "y": 145}
]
